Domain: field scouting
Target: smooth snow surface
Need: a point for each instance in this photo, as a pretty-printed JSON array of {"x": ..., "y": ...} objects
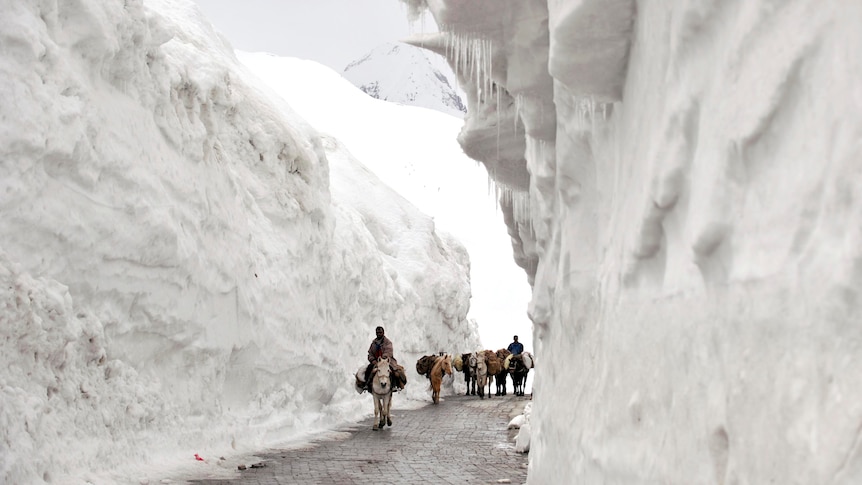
[{"x": 687, "y": 200}]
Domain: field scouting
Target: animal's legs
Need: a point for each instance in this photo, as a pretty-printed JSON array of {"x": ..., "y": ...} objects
[
  {"x": 377, "y": 412},
  {"x": 388, "y": 410}
]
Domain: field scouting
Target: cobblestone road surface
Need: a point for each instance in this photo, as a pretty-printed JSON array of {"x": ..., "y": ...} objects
[{"x": 462, "y": 440}]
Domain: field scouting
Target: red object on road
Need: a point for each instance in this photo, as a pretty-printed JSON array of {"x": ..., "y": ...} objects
[{"x": 198, "y": 458}]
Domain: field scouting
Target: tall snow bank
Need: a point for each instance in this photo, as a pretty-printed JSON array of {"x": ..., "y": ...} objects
[
  {"x": 695, "y": 221},
  {"x": 176, "y": 277},
  {"x": 590, "y": 46}
]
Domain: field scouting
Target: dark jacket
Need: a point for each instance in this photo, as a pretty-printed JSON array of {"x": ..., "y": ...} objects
[{"x": 516, "y": 348}]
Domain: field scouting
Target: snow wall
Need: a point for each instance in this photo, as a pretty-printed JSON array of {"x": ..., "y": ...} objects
[
  {"x": 176, "y": 276},
  {"x": 683, "y": 186}
]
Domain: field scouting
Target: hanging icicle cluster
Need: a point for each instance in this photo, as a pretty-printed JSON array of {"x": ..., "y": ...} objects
[
  {"x": 589, "y": 111},
  {"x": 472, "y": 57},
  {"x": 518, "y": 199}
]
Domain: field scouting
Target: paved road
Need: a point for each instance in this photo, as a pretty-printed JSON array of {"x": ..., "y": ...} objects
[{"x": 462, "y": 440}]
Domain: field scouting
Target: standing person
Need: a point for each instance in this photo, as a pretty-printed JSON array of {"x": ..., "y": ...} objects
[
  {"x": 515, "y": 347},
  {"x": 381, "y": 346}
]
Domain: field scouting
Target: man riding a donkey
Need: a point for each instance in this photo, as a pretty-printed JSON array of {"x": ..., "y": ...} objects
[{"x": 380, "y": 347}]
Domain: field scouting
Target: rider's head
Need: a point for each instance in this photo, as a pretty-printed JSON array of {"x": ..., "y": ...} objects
[
  {"x": 379, "y": 332},
  {"x": 516, "y": 338}
]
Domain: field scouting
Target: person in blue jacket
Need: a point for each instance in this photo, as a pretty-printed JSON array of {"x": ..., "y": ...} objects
[{"x": 515, "y": 347}]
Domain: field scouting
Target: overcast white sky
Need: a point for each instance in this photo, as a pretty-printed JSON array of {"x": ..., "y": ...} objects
[{"x": 332, "y": 32}]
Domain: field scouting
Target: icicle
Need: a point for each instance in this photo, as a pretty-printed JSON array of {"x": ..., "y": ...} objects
[
  {"x": 499, "y": 119},
  {"x": 477, "y": 52},
  {"x": 481, "y": 72},
  {"x": 519, "y": 98},
  {"x": 470, "y": 52},
  {"x": 454, "y": 47},
  {"x": 457, "y": 51},
  {"x": 447, "y": 46},
  {"x": 490, "y": 70},
  {"x": 520, "y": 203},
  {"x": 469, "y": 58},
  {"x": 487, "y": 77},
  {"x": 462, "y": 55}
]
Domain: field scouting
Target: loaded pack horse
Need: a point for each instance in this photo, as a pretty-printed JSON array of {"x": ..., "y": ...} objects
[
  {"x": 493, "y": 367},
  {"x": 469, "y": 369},
  {"x": 442, "y": 365},
  {"x": 519, "y": 367},
  {"x": 481, "y": 373},
  {"x": 503, "y": 355}
]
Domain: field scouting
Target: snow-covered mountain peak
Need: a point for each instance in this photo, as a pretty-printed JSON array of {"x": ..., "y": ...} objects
[{"x": 409, "y": 75}]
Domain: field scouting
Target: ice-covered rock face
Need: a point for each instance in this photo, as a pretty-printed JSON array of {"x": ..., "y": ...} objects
[{"x": 692, "y": 204}]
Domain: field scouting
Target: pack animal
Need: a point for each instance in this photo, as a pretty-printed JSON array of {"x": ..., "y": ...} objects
[
  {"x": 481, "y": 373},
  {"x": 469, "y": 370},
  {"x": 519, "y": 367},
  {"x": 381, "y": 392},
  {"x": 442, "y": 365},
  {"x": 500, "y": 378},
  {"x": 493, "y": 367}
]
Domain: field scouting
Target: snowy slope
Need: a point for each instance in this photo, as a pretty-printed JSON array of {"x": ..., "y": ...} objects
[{"x": 402, "y": 73}]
